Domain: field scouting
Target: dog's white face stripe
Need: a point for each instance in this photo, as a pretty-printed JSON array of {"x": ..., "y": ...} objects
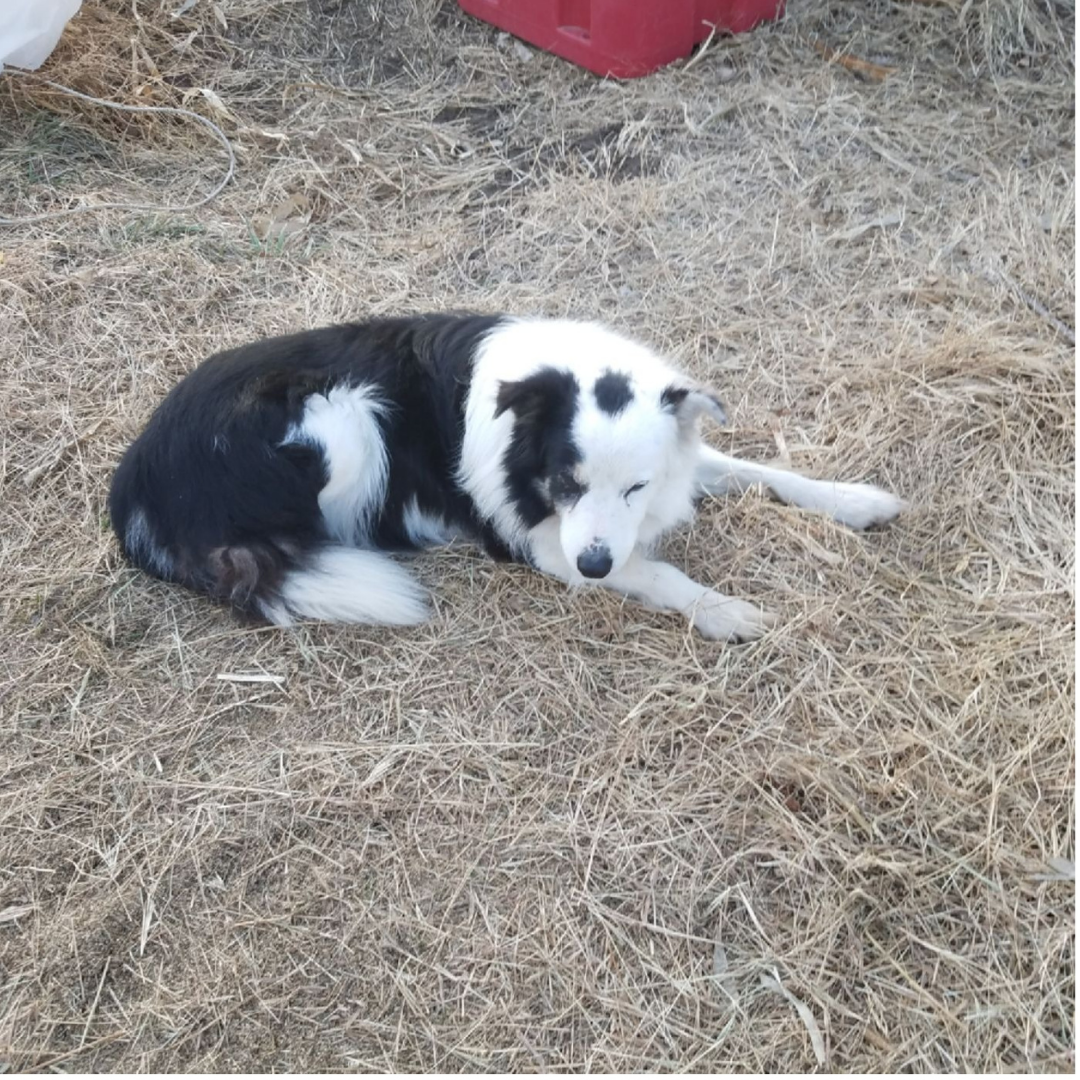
[{"x": 625, "y": 455}]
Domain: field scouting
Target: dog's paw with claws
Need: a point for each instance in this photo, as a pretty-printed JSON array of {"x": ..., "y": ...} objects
[{"x": 720, "y": 618}]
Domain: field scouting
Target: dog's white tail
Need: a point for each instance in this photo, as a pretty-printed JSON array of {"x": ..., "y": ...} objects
[{"x": 346, "y": 585}]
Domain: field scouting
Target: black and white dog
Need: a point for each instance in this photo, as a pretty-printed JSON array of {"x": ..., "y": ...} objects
[{"x": 278, "y": 475}]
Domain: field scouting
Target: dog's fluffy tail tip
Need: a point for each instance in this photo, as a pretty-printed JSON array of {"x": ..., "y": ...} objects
[{"x": 346, "y": 585}]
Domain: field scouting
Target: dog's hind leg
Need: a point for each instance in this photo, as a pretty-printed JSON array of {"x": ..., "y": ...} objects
[
  {"x": 658, "y": 585},
  {"x": 856, "y": 505}
]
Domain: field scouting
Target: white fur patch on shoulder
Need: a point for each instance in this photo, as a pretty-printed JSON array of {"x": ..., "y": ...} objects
[
  {"x": 140, "y": 542},
  {"x": 345, "y": 585},
  {"x": 344, "y": 423},
  {"x": 487, "y": 436}
]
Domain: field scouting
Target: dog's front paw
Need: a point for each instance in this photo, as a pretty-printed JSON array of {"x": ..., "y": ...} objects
[
  {"x": 721, "y": 618},
  {"x": 861, "y": 505}
]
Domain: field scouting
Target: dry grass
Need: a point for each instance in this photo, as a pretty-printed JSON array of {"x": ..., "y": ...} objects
[{"x": 550, "y": 832}]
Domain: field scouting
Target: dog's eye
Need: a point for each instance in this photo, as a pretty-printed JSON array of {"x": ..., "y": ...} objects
[{"x": 637, "y": 487}]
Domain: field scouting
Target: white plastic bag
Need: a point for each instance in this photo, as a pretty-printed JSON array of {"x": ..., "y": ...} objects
[{"x": 30, "y": 29}]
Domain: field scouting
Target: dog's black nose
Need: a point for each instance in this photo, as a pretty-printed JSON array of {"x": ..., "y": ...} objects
[{"x": 594, "y": 562}]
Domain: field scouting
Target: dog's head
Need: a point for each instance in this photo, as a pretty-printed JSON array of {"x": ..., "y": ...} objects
[{"x": 602, "y": 453}]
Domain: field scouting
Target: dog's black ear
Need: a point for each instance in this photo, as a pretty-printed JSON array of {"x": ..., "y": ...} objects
[
  {"x": 539, "y": 395},
  {"x": 688, "y": 403}
]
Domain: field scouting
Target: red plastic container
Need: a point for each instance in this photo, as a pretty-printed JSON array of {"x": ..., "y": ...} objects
[{"x": 624, "y": 38}]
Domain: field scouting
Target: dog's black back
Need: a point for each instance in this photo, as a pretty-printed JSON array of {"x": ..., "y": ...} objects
[{"x": 212, "y": 496}]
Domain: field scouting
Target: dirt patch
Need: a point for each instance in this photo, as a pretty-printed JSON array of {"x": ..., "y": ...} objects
[{"x": 554, "y": 832}]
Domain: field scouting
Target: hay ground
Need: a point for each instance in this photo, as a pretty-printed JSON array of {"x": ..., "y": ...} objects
[{"x": 550, "y": 832}]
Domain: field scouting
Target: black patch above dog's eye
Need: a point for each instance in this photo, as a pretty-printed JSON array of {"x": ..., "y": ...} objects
[
  {"x": 538, "y": 396},
  {"x": 673, "y": 396},
  {"x": 541, "y": 446},
  {"x": 563, "y": 488},
  {"x": 612, "y": 392}
]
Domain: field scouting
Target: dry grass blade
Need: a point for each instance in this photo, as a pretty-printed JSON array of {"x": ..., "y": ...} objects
[
  {"x": 817, "y": 1040},
  {"x": 547, "y": 832},
  {"x": 15, "y": 911},
  {"x": 874, "y": 72}
]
